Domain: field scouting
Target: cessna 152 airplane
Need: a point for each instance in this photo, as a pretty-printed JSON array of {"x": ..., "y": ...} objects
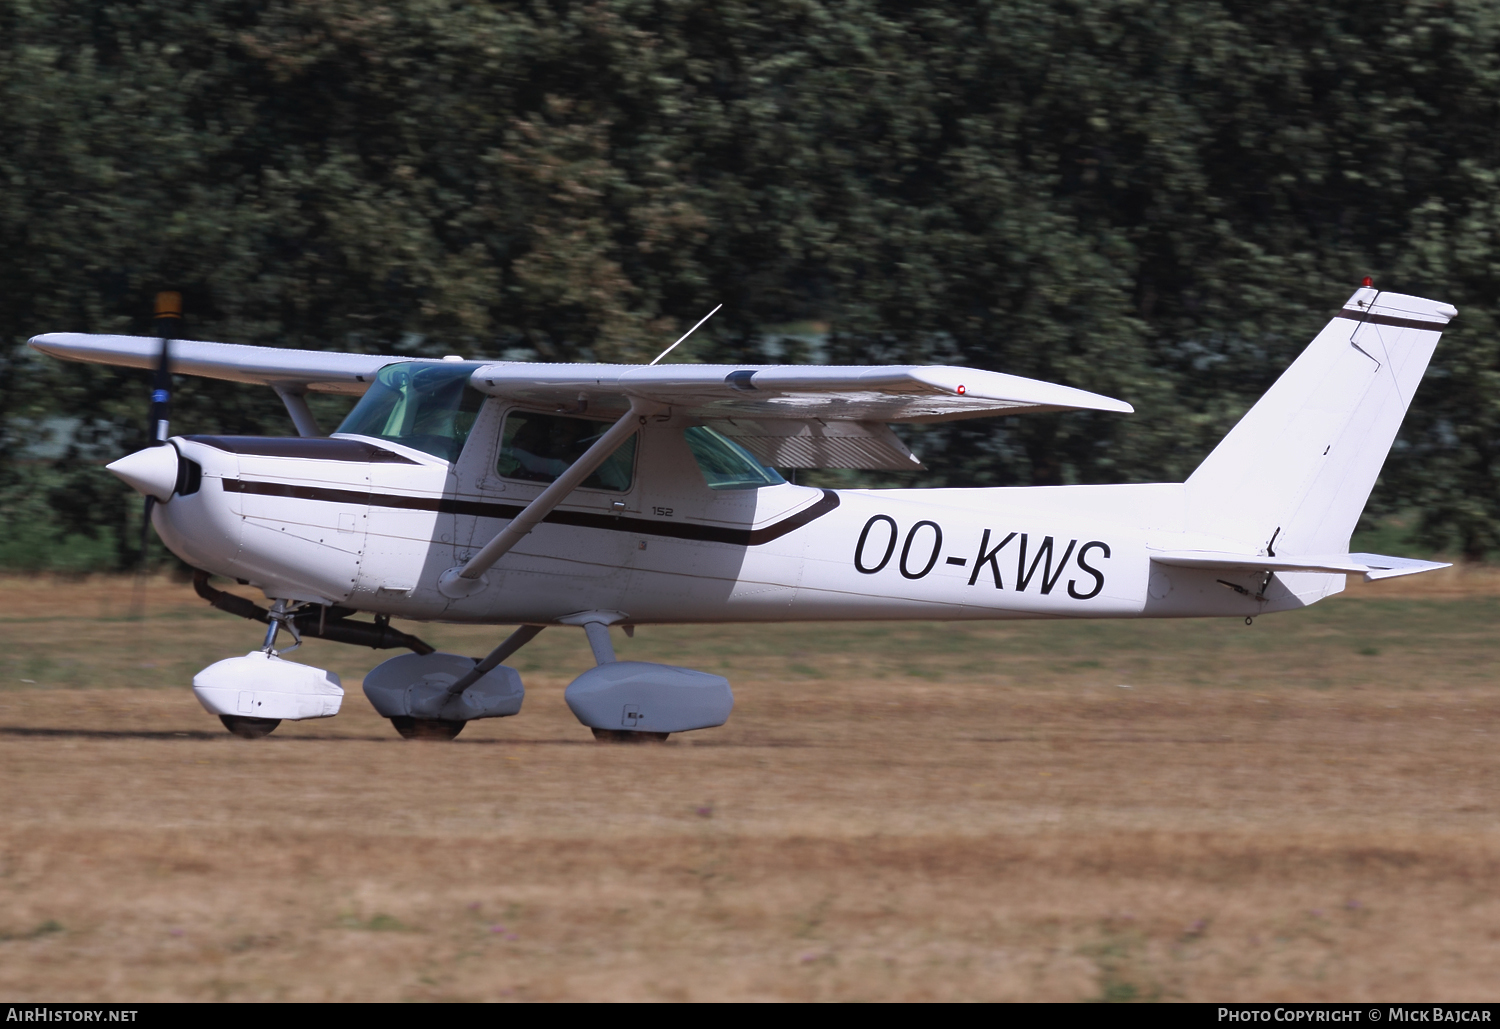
[{"x": 597, "y": 495}]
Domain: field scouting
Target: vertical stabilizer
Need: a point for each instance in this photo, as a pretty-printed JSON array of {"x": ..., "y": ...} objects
[{"x": 1293, "y": 476}]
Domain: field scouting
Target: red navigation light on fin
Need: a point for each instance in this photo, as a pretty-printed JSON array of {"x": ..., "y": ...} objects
[{"x": 1367, "y": 282}]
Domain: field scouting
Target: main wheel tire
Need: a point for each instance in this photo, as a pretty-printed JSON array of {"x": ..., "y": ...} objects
[
  {"x": 629, "y": 736},
  {"x": 427, "y": 728},
  {"x": 249, "y": 728}
]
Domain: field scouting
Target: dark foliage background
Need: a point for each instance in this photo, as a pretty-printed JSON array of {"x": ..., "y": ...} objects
[{"x": 1160, "y": 201}]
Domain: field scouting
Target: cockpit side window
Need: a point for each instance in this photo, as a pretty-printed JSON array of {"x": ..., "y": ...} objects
[
  {"x": 426, "y": 406},
  {"x": 725, "y": 464},
  {"x": 540, "y": 447}
]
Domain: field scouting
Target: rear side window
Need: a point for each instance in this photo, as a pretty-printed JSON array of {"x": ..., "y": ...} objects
[
  {"x": 725, "y": 464},
  {"x": 539, "y": 447}
]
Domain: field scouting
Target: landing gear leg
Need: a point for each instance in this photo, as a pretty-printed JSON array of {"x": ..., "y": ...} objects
[{"x": 278, "y": 618}]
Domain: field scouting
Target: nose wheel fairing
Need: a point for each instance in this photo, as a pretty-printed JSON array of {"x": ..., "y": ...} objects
[{"x": 263, "y": 686}]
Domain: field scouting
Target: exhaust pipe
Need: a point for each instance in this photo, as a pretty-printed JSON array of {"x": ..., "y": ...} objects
[{"x": 330, "y": 624}]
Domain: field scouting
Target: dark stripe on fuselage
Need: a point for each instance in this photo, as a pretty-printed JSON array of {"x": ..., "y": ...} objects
[
  {"x": 581, "y": 519},
  {"x": 308, "y": 448},
  {"x": 1385, "y": 319}
]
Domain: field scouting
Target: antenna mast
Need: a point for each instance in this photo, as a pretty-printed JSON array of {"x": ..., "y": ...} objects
[{"x": 686, "y": 334}]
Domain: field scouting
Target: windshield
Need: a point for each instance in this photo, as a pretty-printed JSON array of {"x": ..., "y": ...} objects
[
  {"x": 725, "y": 464},
  {"x": 540, "y": 447},
  {"x": 426, "y": 406}
]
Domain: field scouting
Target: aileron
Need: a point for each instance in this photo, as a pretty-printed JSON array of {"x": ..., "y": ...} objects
[{"x": 319, "y": 370}]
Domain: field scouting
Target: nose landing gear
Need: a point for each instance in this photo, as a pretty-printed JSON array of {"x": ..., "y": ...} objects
[
  {"x": 247, "y": 727},
  {"x": 255, "y": 693}
]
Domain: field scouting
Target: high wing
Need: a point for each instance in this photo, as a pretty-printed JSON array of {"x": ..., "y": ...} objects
[
  {"x": 827, "y": 393},
  {"x": 802, "y": 416},
  {"x": 322, "y": 371},
  {"x": 880, "y": 393},
  {"x": 794, "y": 416}
]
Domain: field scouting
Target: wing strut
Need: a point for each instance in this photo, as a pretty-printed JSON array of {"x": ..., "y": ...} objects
[
  {"x": 459, "y": 582},
  {"x": 514, "y": 642},
  {"x": 295, "y": 400}
]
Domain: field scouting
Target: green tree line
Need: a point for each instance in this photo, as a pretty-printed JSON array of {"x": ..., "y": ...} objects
[{"x": 1159, "y": 201}]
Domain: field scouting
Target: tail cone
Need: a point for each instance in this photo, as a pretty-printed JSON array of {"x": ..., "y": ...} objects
[{"x": 151, "y": 472}]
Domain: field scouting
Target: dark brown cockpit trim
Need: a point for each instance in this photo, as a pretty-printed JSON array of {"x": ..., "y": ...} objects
[{"x": 581, "y": 519}]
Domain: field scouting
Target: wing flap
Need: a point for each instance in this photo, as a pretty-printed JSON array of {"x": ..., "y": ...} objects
[{"x": 869, "y": 446}]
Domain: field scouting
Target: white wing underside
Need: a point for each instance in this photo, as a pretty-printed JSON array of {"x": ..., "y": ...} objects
[
  {"x": 804, "y": 416},
  {"x": 828, "y": 393}
]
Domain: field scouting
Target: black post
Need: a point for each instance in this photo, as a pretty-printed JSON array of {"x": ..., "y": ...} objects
[{"x": 168, "y": 318}]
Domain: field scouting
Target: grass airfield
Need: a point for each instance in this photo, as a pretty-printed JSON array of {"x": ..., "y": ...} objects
[{"x": 1304, "y": 809}]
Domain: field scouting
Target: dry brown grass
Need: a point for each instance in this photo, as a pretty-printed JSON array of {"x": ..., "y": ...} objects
[{"x": 894, "y": 811}]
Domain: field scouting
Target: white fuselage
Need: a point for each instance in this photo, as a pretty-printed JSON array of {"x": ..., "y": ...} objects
[{"x": 375, "y": 525}]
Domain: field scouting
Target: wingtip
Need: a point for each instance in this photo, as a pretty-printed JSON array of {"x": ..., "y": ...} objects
[
  {"x": 45, "y": 343},
  {"x": 1099, "y": 402},
  {"x": 61, "y": 345},
  {"x": 1114, "y": 406}
]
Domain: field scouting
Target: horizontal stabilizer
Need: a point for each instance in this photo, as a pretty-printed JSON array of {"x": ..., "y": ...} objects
[
  {"x": 1371, "y": 566},
  {"x": 1382, "y": 567}
]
